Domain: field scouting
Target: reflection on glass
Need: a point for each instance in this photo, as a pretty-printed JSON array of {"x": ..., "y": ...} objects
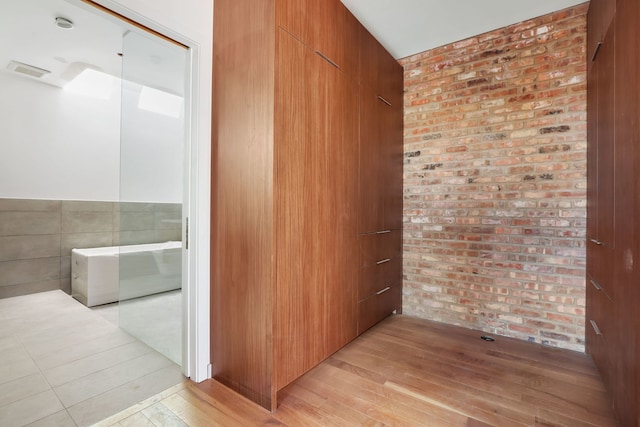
[{"x": 151, "y": 192}]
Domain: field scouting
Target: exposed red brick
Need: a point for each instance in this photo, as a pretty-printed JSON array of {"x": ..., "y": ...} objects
[{"x": 495, "y": 181}]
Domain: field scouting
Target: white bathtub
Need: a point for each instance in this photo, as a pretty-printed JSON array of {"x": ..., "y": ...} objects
[{"x": 114, "y": 273}]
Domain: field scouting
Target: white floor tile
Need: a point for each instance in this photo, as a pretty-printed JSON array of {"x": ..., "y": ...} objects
[
  {"x": 94, "y": 363},
  {"x": 21, "y": 388},
  {"x": 100, "y": 382},
  {"x": 31, "y": 409},
  {"x": 59, "y": 419},
  {"x": 115, "y": 400}
]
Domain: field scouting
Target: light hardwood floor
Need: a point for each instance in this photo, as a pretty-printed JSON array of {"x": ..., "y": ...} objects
[{"x": 407, "y": 372}]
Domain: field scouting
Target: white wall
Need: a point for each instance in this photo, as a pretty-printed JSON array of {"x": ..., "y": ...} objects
[{"x": 55, "y": 144}]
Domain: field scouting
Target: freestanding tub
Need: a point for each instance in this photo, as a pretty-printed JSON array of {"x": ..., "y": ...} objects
[{"x": 114, "y": 273}]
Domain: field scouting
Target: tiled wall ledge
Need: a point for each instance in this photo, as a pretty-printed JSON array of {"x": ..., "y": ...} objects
[{"x": 36, "y": 237}]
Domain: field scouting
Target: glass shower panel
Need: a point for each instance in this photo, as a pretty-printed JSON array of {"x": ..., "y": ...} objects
[{"x": 152, "y": 146}]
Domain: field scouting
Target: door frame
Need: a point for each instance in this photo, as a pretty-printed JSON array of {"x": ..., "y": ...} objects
[{"x": 196, "y": 259}]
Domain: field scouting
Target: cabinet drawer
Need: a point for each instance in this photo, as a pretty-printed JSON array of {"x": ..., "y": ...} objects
[
  {"x": 374, "y": 278},
  {"x": 379, "y": 248},
  {"x": 377, "y": 307}
]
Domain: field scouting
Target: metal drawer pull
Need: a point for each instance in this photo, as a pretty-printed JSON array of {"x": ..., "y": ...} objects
[
  {"x": 383, "y": 291},
  {"x": 597, "y": 242},
  {"x": 327, "y": 59},
  {"x": 383, "y": 232},
  {"x": 595, "y": 327},
  {"x": 383, "y": 261},
  {"x": 596, "y": 285},
  {"x": 384, "y": 100}
]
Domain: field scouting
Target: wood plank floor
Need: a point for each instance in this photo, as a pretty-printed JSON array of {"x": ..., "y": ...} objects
[{"x": 407, "y": 372}]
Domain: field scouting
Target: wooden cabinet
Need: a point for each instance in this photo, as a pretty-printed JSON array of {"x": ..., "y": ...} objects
[
  {"x": 326, "y": 27},
  {"x": 286, "y": 265},
  {"x": 380, "y": 184},
  {"x": 613, "y": 201},
  {"x": 316, "y": 169}
]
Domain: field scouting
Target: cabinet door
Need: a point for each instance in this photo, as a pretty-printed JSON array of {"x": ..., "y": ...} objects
[
  {"x": 626, "y": 259},
  {"x": 392, "y": 121},
  {"x": 325, "y": 26},
  {"x": 372, "y": 184},
  {"x": 599, "y": 19},
  {"x": 380, "y": 188},
  {"x": 316, "y": 196}
]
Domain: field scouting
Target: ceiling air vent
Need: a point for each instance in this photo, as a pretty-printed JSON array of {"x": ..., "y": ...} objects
[{"x": 27, "y": 69}]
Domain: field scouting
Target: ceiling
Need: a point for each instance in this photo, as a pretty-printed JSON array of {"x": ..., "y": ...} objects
[
  {"x": 29, "y": 35},
  {"x": 406, "y": 27}
]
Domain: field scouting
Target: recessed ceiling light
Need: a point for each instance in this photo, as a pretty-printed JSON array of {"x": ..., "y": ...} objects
[{"x": 64, "y": 23}]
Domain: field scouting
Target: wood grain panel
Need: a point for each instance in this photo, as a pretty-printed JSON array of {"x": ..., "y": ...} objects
[
  {"x": 606, "y": 142},
  {"x": 599, "y": 19},
  {"x": 340, "y": 192},
  {"x": 326, "y": 26},
  {"x": 317, "y": 190},
  {"x": 393, "y": 143},
  {"x": 372, "y": 163},
  {"x": 242, "y": 271},
  {"x": 626, "y": 273}
]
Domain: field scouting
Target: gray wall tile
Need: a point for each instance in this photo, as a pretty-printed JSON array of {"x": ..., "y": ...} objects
[
  {"x": 136, "y": 221},
  {"x": 85, "y": 240},
  {"x": 168, "y": 235},
  {"x": 136, "y": 207},
  {"x": 168, "y": 220},
  {"x": 14, "y": 223},
  {"x": 134, "y": 237},
  {"x": 28, "y": 247},
  {"x": 31, "y": 270},
  {"x": 82, "y": 221},
  {"x": 29, "y": 288},
  {"x": 27, "y": 205},
  {"x": 65, "y": 267},
  {"x": 84, "y": 206},
  {"x": 36, "y": 236}
]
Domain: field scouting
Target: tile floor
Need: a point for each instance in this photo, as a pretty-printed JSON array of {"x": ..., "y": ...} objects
[
  {"x": 63, "y": 365},
  {"x": 155, "y": 320}
]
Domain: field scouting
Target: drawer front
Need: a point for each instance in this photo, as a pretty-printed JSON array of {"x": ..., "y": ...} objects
[
  {"x": 374, "y": 278},
  {"x": 379, "y": 248},
  {"x": 378, "y": 306}
]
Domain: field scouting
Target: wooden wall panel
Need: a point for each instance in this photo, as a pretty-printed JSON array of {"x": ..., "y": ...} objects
[
  {"x": 300, "y": 170},
  {"x": 626, "y": 258},
  {"x": 242, "y": 273},
  {"x": 316, "y": 195},
  {"x": 614, "y": 200},
  {"x": 326, "y": 26},
  {"x": 340, "y": 194},
  {"x": 372, "y": 163}
]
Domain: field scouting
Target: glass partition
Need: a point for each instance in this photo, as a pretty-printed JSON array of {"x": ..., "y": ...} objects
[{"x": 152, "y": 176}]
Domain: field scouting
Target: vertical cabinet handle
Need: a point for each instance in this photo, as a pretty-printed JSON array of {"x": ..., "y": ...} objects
[
  {"x": 597, "y": 242},
  {"x": 594, "y": 325}
]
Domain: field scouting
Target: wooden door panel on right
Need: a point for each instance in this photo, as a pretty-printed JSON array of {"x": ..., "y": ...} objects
[
  {"x": 325, "y": 26},
  {"x": 316, "y": 201}
]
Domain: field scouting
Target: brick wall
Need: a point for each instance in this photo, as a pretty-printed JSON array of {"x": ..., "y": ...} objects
[{"x": 495, "y": 181}]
